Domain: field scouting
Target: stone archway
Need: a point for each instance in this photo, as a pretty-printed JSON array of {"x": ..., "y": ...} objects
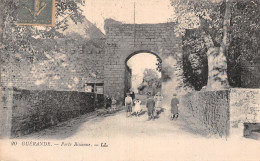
[
  {"x": 128, "y": 71},
  {"x": 125, "y": 40}
]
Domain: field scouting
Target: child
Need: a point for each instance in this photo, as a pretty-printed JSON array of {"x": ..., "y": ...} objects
[
  {"x": 128, "y": 105},
  {"x": 113, "y": 104},
  {"x": 137, "y": 107},
  {"x": 150, "y": 107},
  {"x": 107, "y": 102}
]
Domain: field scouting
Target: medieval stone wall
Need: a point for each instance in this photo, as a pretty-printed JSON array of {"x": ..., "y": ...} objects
[
  {"x": 51, "y": 84},
  {"x": 126, "y": 40},
  {"x": 223, "y": 112},
  {"x": 68, "y": 69},
  {"x": 244, "y": 108},
  {"x": 27, "y": 111}
]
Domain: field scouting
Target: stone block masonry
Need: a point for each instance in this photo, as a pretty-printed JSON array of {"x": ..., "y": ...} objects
[
  {"x": 34, "y": 110},
  {"x": 224, "y": 112},
  {"x": 244, "y": 109},
  {"x": 126, "y": 40}
]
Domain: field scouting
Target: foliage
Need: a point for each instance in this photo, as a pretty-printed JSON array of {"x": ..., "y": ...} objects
[
  {"x": 149, "y": 75},
  {"x": 195, "y": 64},
  {"x": 22, "y": 39},
  {"x": 159, "y": 64},
  {"x": 188, "y": 14},
  {"x": 167, "y": 73},
  {"x": 151, "y": 80},
  {"x": 206, "y": 17},
  {"x": 31, "y": 50},
  {"x": 212, "y": 18},
  {"x": 245, "y": 39},
  {"x": 142, "y": 86}
]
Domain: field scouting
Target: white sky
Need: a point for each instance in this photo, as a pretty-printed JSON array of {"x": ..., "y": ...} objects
[
  {"x": 138, "y": 63},
  {"x": 147, "y": 11}
]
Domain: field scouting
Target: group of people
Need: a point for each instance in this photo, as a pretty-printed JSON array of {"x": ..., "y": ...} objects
[
  {"x": 110, "y": 104},
  {"x": 131, "y": 102},
  {"x": 153, "y": 105}
]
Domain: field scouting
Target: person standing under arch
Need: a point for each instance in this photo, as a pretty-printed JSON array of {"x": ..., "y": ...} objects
[
  {"x": 158, "y": 103},
  {"x": 150, "y": 104},
  {"x": 128, "y": 105},
  {"x": 174, "y": 107},
  {"x": 132, "y": 94},
  {"x": 137, "y": 107}
]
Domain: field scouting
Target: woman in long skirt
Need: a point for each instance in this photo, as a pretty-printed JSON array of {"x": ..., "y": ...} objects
[{"x": 174, "y": 107}]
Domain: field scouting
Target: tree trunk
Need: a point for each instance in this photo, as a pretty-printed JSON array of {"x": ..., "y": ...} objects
[
  {"x": 217, "y": 60},
  {"x": 1, "y": 34}
]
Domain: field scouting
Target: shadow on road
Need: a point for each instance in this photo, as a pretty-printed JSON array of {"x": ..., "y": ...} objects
[
  {"x": 162, "y": 125},
  {"x": 67, "y": 128}
]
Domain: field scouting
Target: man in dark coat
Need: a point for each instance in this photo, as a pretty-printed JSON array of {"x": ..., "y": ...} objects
[
  {"x": 108, "y": 102},
  {"x": 150, "y": 104},
  {"x": 132, "y": 94},
  {"x": 174, "y": 107}
]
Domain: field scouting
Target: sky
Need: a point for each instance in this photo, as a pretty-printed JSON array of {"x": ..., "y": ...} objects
[
  {"x": 138, "y": 63},
  {"x": 146, "y": 11}
]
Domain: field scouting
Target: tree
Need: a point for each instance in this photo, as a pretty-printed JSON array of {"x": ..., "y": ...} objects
[
  {"x": 20, "y": 39},
  {"x": 31, "y": 50},
  {"x": 217, "y": 45},
  {"x": 195, "y": 65},
  {"x": 223, "y": 25},
  {"x": 151, "y": 80},
  {"x": 245, "y": 39}
]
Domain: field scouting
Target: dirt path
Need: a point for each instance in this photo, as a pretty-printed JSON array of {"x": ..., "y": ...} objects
[
  {"x": 132, "y": 139},
  {"x": 114, "y": 125}
]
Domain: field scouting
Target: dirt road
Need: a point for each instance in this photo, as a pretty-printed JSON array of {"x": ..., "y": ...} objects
[
  {"x": 131, "y": 139},
  {"x": 113, "y": 126}
]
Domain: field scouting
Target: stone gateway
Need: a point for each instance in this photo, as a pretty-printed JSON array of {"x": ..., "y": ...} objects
[{"x": 126, "y": 40}]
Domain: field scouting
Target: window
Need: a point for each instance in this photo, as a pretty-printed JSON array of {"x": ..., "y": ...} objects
[{"x": 95, "y": 88}]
